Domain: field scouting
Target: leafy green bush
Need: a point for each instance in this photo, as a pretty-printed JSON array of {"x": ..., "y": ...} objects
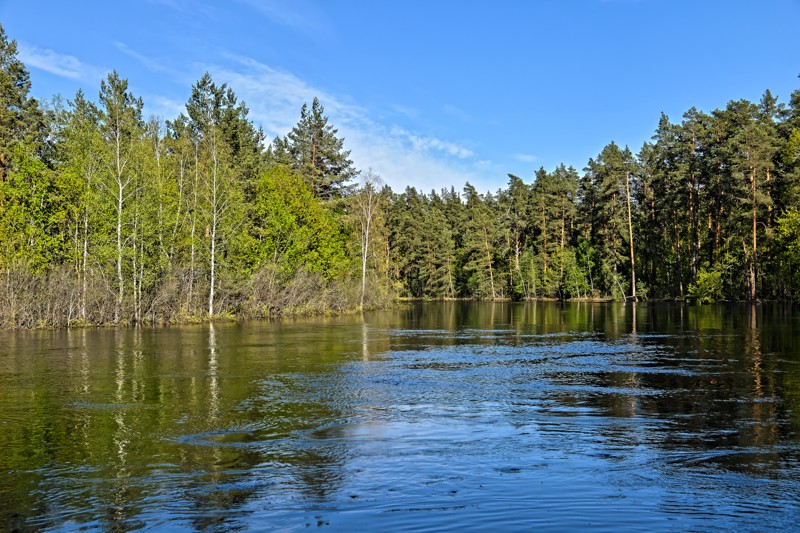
[{"x": 708, "y": 287}]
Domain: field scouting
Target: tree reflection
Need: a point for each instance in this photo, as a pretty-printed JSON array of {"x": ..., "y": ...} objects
[
  {"x": 213, "y": 375},
  {"x": 762, "y": 429}
]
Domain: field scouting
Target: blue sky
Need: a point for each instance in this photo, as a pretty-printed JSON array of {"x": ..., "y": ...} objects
[{"x": 428, "y": 93}]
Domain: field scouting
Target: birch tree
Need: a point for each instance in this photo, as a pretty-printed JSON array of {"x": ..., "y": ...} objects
[
  {"x": 367, "y": 202},
  {"x": 121, "y": 127},
  {"x": 85, "y": 157}
]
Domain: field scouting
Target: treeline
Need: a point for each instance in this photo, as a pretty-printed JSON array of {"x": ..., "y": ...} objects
[
  {"x": 706, "y": 211},
  {"x": 108, "y": 217}
]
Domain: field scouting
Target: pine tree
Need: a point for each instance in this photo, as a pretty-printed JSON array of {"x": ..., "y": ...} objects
[
  {"x": 480, "y": 244},
  {"x": 514, "y": 207},
  {"x": 787, "y": 184},
  {"x": 553, "y": 201},
  {"x": 437, "y": 265},
  {"x": 608, "y": 178},
  {"x": 317, "y": 154},
  {"x": 407, "y": 220},
  {"x": 747, "y": 151},
  {"x": 21, "y": 120}
]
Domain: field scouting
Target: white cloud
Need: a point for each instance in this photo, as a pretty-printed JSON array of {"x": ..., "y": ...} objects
[
  {"x": 63, "y": 65},
  {"x": 400, "y": 166},
  {"x": 273, "y": 96},
  {"x": 422, "y": 143},
  {"x": 432, "y": 143},
  {"x": 401, "y": 157}
]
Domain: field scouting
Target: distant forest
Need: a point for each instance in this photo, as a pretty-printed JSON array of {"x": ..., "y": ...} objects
[{"x": 107, "y": 217}]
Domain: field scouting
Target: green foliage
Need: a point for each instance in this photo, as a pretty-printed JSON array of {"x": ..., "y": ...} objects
[
  {"x": 586, "y": 259},
  {"x": 480, "y": 245},
  {"x": 292, "y": 229},
  {"x": 406, "y": 225},
  {"x": 708, "y": 287},
  {"x": 788, "y": 250},
  {"x": 36, "y": 207},
  {"x": 789, "y": 234},
  {"x": 574, "y": 282}
]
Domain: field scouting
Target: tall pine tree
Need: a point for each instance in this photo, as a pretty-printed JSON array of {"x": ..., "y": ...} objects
[{"x": 317, "y": 154}]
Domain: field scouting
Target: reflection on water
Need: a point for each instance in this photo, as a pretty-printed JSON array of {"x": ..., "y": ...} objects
[{"x": 429, "y": 416}]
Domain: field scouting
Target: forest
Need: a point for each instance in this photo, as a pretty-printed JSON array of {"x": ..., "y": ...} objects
[{"x": 110, "y": 217}]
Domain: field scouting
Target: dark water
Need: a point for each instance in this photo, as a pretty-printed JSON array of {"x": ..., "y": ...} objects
[{"x": 431, "y": 417}]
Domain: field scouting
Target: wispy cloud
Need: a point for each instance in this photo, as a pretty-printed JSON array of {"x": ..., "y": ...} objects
[
  {"x": 456, "y": 112},
  {"x": 163, "y": 107},
  {"x": 402, "y": 157},
  {"x": 526, "y": 158},
  {"x": 148, "y": 62},
  {"x": 180, "y": 5},
  {"x": 406, "y": 111},
  {"x": 296, "y": 14},
  {"x": 63, "y": 65},
  {"x": 189, "y": 8},
  {"x": 432, "y": 143},
  {"x": 274, "y": 96}
]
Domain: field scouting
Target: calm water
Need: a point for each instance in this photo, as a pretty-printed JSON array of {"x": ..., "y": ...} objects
[{"x": 431, "y": 417}]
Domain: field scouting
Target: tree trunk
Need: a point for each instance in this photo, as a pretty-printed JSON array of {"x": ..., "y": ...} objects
[
  {"x": 630, "y": 235},
  {"x": 489, "y": 261},
  {"x": 364, "y": 252},
  {"x": 84, "y": 262},
  {"x": 121, "y": 185},
  {"x": 214, "y": 221},
  {"x": 678, "y": 251},
  {"x": 192, "y": 231},
  {"x": 120, "y": 281},
  {"x": 544, "y": 245},
  {"x": 516, "y": 262},
  {"x": 694, "y": 215},
  {"x": 753, "y": 259},
  {"x": 450, "y": 279},
  {"x": 134, "y": 267},
  {"x": 563, "y": 229}
]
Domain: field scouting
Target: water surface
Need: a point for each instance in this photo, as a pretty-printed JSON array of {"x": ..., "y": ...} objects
[{"x": 429, "y": 417}]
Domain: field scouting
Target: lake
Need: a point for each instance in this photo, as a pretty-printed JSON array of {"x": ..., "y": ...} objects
[{"x": 427, "y": 417}]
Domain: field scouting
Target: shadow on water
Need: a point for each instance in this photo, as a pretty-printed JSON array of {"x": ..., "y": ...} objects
[{"x": 427, "y": 416}]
